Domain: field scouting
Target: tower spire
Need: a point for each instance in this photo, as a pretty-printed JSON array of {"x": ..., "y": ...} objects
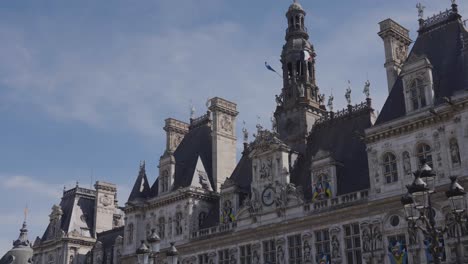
[
  {"x": 23, "y": 240},
  {"x": 298, "y": 105}
]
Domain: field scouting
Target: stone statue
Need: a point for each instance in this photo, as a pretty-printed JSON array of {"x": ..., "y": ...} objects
[
  {"x": 307, "y": 252},
  {"x": 420, "y": 8},
  {"x": 245, "y": 133},
  {"x": 321, "y": 99},
  {"x": 335, "y": 247},
  {"x": 455, "y": 152},
  {"x": 301, "y": 90},
  {"x": 330, "y": 103},
  {"x": 279, "y": 100},
  {"x": 367, "y": 89},
  {"x": 348, "y": 93},
  {"x": 192, "y": 111},
  {"x": 274, "y": 125},
  {"x": 406, "y": 162},
  {"x": 280, "y": 255},
  {"x": 256, "y": 257}
]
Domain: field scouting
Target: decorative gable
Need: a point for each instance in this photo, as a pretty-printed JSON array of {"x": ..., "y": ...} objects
[
  {"x": 418, "y": 83},
  {"x": 200, "y": 177},
  {"x": 324, "y": 175}
]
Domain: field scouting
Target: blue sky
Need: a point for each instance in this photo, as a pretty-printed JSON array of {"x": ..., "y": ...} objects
[{"x": 85, "y": 86}]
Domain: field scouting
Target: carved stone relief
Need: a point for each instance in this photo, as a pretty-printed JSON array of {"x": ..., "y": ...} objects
[
  {"x": 226, "y": 123},
  {"x": 455, "y": 152}
]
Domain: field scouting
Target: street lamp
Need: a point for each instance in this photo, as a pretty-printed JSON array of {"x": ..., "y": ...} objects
[
  {"x": 154, "y": 241},
  {"x": 172, "y": 254},
  {"x": 142, "y": 253},
  {"x": 420, "y": 213}
]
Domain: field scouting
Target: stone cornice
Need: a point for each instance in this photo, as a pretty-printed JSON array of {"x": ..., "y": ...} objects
[
  {"x": 411, "y": 123},
  {"x": 174, "y": 197}
]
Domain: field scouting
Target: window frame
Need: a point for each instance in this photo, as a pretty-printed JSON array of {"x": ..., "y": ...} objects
[
  {"x": 269, "y": 251},
  {"x": 390, "y": 167},
  {"x": 295, "y": 253},
  {"x": 424, "y": 151},
  {"x": 352, "y": 243},
  {"x": 245, "y": 254}
]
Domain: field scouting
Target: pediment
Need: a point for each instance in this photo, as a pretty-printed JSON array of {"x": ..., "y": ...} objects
[{"x": 266, "y": 142}]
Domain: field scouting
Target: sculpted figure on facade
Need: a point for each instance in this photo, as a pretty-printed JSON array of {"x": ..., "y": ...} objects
[
  {"x": 301, "y": 90},
  {"x": 307, "y": 252},
  {"x": 279, "y": 100},
  {"x": 455, "y": 152},
  {"x": 406, "y": 162},
  {"x": 348, "y": 93},
  {"x": 280, "y": 255}
]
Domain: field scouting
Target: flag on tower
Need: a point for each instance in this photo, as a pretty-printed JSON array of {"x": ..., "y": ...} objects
[
  {"x": 305, "y": 56},
  {"x": 271, "y": 69}
]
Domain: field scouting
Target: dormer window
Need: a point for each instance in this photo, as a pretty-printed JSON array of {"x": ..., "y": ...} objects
[
  {"x": 417, "y": 94},
  {"x": 418, "y": 83},
  {"x": 390, "y": 168}
]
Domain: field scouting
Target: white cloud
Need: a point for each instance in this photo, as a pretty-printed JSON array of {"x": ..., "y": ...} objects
[{"x": 30, "y": 185}]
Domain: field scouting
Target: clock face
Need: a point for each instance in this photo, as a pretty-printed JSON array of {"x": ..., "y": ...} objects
[{"x": 268, "y": 196}]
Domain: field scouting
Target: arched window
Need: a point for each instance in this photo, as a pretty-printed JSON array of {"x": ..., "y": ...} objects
[
  {"x": 390, "y": 168},
  {"x": 178, "y": 223},
  {"x": 201, "y": 219},
  {"x": 424, "y": 153},
  {"x": 130, "y": 234},
  {"x": 417, "y": 95},
  {"x": 161, "y": 227}
]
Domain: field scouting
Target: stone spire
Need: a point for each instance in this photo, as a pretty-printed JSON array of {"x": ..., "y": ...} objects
[
  {"x": 23, "y": 240},
  {"x": 299, "y": 104}
]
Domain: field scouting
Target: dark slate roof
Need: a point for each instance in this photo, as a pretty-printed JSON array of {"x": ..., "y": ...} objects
[
  {"x": 442, "y": 44},
  {"x": 212, "y": 218},
  {"x": 141, "y": 189},
  {"x": 84, "y": 200},
  {"x": 107, "y": 238},
  {"x": 242, "y": 174},
  {"x": 196, "y": 143},
  {"x": 342, "y": 137},
  {"x": 154, "y": 189}
]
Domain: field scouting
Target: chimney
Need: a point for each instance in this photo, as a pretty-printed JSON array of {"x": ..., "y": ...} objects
[
  {"x": 105, "y": 206},
  {"x": 175, "y": 132},
  {"x": 396, "y": 43},
  {"x": 223, "y": 139}
]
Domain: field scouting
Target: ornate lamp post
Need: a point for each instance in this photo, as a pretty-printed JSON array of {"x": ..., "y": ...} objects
[
  {"x": 457, "y": 199},
  {"x": 172, "y": 254},
  {"x": 419, "y": 211},
  {"x": 143, "y": 253},
  {"x": 155, "y": 242}
]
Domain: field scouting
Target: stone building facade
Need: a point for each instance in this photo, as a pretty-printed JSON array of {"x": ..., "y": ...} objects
[
  {"x": 82, "y": 217},
  {"x": 322, "y": 186}
]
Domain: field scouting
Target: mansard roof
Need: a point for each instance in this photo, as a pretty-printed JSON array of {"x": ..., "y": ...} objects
[
  {"x": 141, "y": 189},
  {"x": 442, "y": 43},
  {"x": 196, "y": 143},
  {"x": 108, "y": 238},
  {"x": 341, "y": 137},
  {"x": 77, "y": 206},
  {"x": 242, "y": 174}
]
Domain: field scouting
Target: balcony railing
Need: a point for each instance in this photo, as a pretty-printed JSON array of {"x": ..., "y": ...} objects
[
  {"x": 213, "y": 230},
  {"x": 336, "y": 202}
]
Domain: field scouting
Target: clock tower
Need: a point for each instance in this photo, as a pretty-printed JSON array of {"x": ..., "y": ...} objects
[{"x": 299, "y": 105}]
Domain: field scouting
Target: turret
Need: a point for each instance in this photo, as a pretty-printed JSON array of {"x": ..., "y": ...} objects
[
  {"x": 396, "y": 42},
  {"x": 299, "y": 104}
]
